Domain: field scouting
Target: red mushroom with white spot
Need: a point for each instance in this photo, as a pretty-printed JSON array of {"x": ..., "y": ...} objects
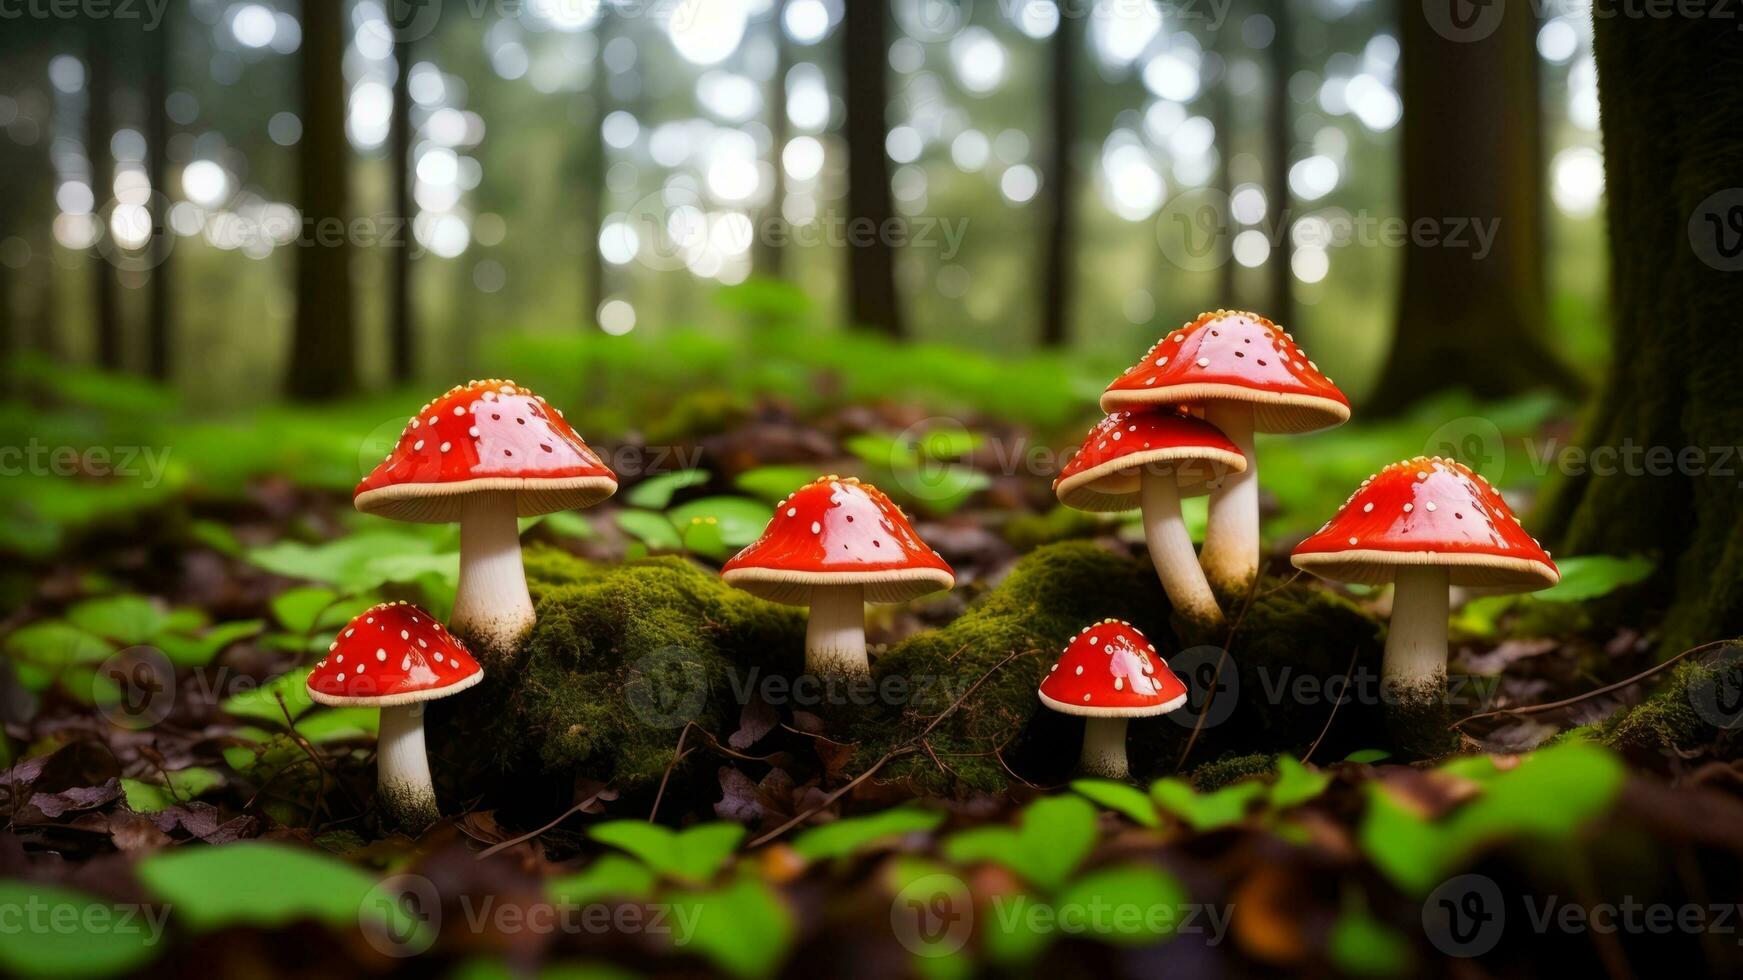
[
  {"x": 1110, "y": 673},
  {"x": 1423, "y": 525},
  {"x": 834, "y": 545},
  {"x": 1151, "y": 459},
  {"x": 395, "y": 657},
  {"x": 486, "y": 454},
  {"x": 1248, "y": 375}
]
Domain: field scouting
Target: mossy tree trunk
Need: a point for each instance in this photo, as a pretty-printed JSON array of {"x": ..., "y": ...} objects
[
  {"x": 1471, "y": 304},
  {"x": 1673, "y": 399},
  {"x": 323, "y": 358},
  {"x": 871, "y": 262}
]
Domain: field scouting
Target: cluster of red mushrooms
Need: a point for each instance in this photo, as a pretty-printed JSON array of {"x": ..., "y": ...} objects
[{"x": 1182, "y": 422}]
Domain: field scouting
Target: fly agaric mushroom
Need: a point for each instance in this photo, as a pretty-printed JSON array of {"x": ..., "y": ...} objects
[
  {"x": 1424, "y": 524},
  {"x": 1248, "y": 375},
  {"x": 395, "y": 656},
  {"x": 834, "y": 545},
  {"x": 485, "y": 454},
  {"x": 1110, "y": 673},
  {"x": 1151, "y": 460}
]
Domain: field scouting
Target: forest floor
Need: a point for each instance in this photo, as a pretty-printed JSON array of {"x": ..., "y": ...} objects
[{"x": 172, "y": 798}]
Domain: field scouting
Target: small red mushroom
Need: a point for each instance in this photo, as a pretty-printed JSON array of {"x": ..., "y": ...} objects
[
  {"x": 395, "y": 656},
  {"x": 1249, "y": 375},
  {"x": 1109, "y": 673},
  {"x": 834, "y": 545},
  {"x": 1151, "y": 459},
  {"x": 1425, "y": 524},
  {"x": 485, "y": 454}
]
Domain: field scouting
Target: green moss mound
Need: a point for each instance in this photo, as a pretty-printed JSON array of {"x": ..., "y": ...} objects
[
  {"x": 1698, "y": 706},
  {"x": 622, "y": 657}
]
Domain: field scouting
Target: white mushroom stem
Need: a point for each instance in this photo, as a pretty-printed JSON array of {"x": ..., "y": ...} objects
[
  {"x": 403, "y": 769},
  {"x": 835, "y": 635},
  {"x": 1231, "y": 537},
  {"x": 492, "y": 607},
  {"x": 1415, "y": 665},
  {"x": 1171, "y": 552},
  {"x": 1104, "y": 748}
]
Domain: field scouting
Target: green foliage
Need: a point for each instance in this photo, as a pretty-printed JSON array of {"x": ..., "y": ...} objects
[
  {"x": 1592, "y": 576},
  {"x": 656, "y": 492},
  {"x": 853, "y": 835},
  {"x": 261, "y": 884},
  {"x": 1120, "y": 798},
  {"x": 1150, "y": 890},
  {"x": 609, "y": 876},
  {"x": 743, "y": 928},
  {"x": 1296, "y": 784},
  {"x": 1363, "y": 946},
  {"x": 693, "y": 855},
  {"x": 1546, "y": 798},
  {"x": 1685, "y": 714},
  {"x": 102, "y": 946},
  {"x": 426, "y": 556},
  {"x": 1052, "y": 837},
  {"x": 178, "y": 786},
  {"x": 1206, "y": 811},
  {"x": 772, "y": 484}
]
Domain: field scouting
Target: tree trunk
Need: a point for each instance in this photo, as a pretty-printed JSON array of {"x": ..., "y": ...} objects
[
  {"x": 1279, "y": 147},
  {"x": 1472, "y": 301},
  {"x": 160, "y": 329},
  {"x": 1672, "y": 404},
  {"x": 1222, "y": 109},
  {"x": 1056, "y": 275},
  {"x": 402, "y": 337},
  {"x": 872, "y": 300},
  {"x": 323, "y": 358},
  {"x": 99, "y": 130},
  {"x": 770, "y": 257}
]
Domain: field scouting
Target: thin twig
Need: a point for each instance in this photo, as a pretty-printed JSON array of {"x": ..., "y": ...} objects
[
  {"x": 309, "y": 750},
  {"x": 678, "y": 754},
  {"x": 1216, "y": 676},
  {"x": 1334, "y": 707},
  {"x": 1576, "y": 699},
  {"x": 529, "y": 835}
]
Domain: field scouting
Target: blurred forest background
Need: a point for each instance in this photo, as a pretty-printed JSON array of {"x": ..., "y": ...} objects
[{"x": 578, "y": 175}]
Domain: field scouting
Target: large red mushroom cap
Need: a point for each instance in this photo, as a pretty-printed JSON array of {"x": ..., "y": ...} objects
[
  {"x": 485, "y": 435},
  {"x": 838, "y": 531},
  {"x": 393, "y": 653},
  {"x": 1428, "y": 511},
  {"x": 1232, "y": 355},
  {"x": 1110, "y": 670},
  {"x": 1105, "y": 474}
]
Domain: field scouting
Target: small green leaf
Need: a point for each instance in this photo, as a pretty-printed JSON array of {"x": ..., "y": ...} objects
[
  {"x": 298, "y": 610},
  {"x": 255, "y": 883},
  {"x": 651, "y": 529},
  {"x": 262, "y": 702},
  {"x": 856, "y": 834},
  {"x": 1363, "y": 946},
  {"x": 610, "y": 876},
  {"x": 1296, "y": 784},
  {"x": 655, "y": 493},
  {"x": 1120, "y": 798},
  {"x": 1053, "y": 836},
  {"x": 108, "y": 939},
  {"x": 1206, "y": 811},
  {"x": 197, "y": 651},
  {"x": 739, "y": 519},
  {"x": 1591, "y": 576},
  {"x": 743, "y": 928},
  {"x": 126, "y": 619},
  {"x": 694, "y": 855},
  {"x": 1368, "y": 756},
  {"x": 568, "y": 524},
  {"x": 1130, "y": 906},
  {"x": 772, "y": 484},
  {"x": 181, "y": 785},
  {"x": 51, "y": 644}
]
